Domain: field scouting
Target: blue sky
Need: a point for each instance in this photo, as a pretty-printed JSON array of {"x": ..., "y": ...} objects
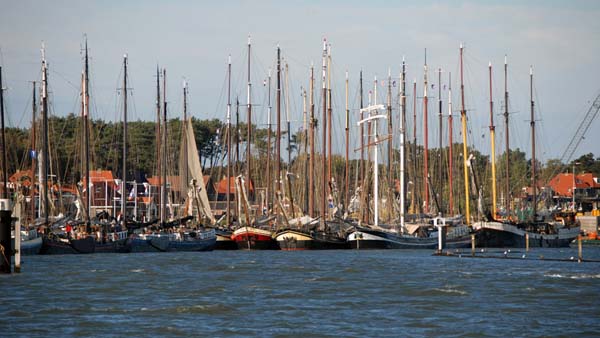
[{"x": 192, "y": 40}]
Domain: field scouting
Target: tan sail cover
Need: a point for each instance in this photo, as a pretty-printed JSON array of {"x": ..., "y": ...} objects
[{"x": 189, "y": 151}]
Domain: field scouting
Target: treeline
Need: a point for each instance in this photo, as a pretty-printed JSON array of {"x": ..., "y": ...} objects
[{"x": 106, "y": 143}]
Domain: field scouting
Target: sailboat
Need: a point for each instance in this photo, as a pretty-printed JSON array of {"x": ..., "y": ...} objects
[
  {"x": 178, "y": 235},
  {"x": 306, "y": 232},
  {"x": 534, "y": 232}
]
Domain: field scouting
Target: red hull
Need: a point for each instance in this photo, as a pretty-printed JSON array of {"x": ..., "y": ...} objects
[{"x": 254, "y": 239}]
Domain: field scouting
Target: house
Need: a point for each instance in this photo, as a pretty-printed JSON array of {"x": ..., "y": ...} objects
[{"x": 587, "y": 190}]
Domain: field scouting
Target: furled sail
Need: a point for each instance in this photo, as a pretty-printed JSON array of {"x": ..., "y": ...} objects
[{"x": 189, "y": 154}]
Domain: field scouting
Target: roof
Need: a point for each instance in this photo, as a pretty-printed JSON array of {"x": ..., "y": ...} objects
[
  {"x": 222, "y": 185},
  {"x": 562, "y": 184},
  {"x": 23, "y": 176}
]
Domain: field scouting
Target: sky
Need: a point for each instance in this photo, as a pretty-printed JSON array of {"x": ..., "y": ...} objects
[{"x": 193, "y": 39}]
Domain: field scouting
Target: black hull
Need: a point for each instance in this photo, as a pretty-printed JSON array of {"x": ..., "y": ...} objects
[
  {"x": 503, "y": 235},
  {"x": 253, "y": 244},
  {"x": 364, "y": 238},
  {"x": 54, "y": 246},
  {"x": 224, "y": 241},
  {"x": 293, "y": 240},
  {"x": 154, "y": 245},
  {"x": 501, "y": 239},
  {"x": 120, "y": 246}
]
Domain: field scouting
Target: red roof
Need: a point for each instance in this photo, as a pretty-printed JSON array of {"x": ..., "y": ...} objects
[
  {"x": 23, "y": 176},
  {"x": 222, "y": 186},
  {"x": 562, "y": 184}
]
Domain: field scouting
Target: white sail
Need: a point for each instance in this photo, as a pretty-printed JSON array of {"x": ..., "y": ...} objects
[{"x": 194, "y": 171}]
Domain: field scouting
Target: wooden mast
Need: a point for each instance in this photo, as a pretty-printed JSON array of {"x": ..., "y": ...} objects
[
  {"x": 506, "y": 130},
  {"x": 311, "y": 166},
  {"x": 158, "y": 126},
  {"x": 278, "y": 137},
  {"x": 533, "y": 166},
  {"x": 440, "y": 157},
  {"x": 86, "y": 139},
  {"x": 33, "y": 150},
  {"x": 186, "y": 171},
  {"x": 163, "y": 194},
  {"x": 363, "y": 169},
  {"x": 347, "y": 168},
  {"x": 269, "y": 183},
  {"x": 124, "y": 187},
  {"x": 450, "y": 150},
  {"x": 228, "y": 141},
  {"x": 249, "y": 130},
  {"x": 425, "y": 139},
  {"x": 402, "y": 143},
  {"x": 305, "y": 139},
  {"x": 493, "y": 150},
  {"x": 330, "y": 179},
  {"x": 390, "y": 129},
  {"x": 414, "y": 201},
  {"x": 324, "y": 144},
  {"x": 44, "y": 169},
  {"x": 463, "y": 118}
]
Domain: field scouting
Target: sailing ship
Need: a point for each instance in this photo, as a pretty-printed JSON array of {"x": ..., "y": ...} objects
[{"x": 533, "y": 232}]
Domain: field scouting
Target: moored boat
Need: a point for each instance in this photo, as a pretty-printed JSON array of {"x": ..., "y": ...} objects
[
  {"x": 539, "y": 234},
  {"x": 253, "y": 238}
]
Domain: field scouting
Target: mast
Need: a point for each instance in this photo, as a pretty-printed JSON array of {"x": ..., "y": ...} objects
[
  {"x": 158, "y": 126},
  {"x": 269, "y": 183},
  {"x": 186, "y": 171},
  {"x": 278, "y": 138},
  {"x": 86, "y": 139},
  {"x": 249, "y": 129},
  {"x": 287, "y": 114},
  {"x": 311, "y": 167},
  {"x": 425, "y": 139},
  {"x": 33, "y": 150},
  {"x": 163, "y": 204},
  {"x": 324, "y": 144},
  {"x": 362, "y": 147},
  {"x": 229, "y": 141},
  {"x": 305, "y": 127},
  {"x": 237, "y": 137},
  {"x": 414, "y": 200},
  {"x": 533, "y": 167},
  {"x": 507, "y": 172},
  {"x": 440, "y": 123},
  {"x": 402, "y": 143},
  {"x": 463, "y": 118},
  {"x": 329, "y": 117},
  {"x": 44, "y": 167},
  {"x": 450, "y": 149},
  {"x": 493, "y": 141},
  {"x": 390, "y": 129},
  {"x": 123, "y": 189},
  {"x": 347, "y": 170}
]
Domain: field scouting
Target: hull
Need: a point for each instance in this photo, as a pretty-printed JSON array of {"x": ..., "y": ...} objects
[
  {"x": 56, "y": 246},
  {"x": 250, "y": 238},
  {"x": 504, "y": 235},
  {"x": 224, "y": 241},
  {"x": 120, "y": 246},
  {"x": 199, "y": 241},
  {"x": 364, "y": 238},
  {"x": 30, "y": 247},
  {"x": 292, "y": 240}
]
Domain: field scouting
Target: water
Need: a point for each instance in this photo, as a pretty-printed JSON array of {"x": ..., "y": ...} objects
[{"x": 289, "y": 294}]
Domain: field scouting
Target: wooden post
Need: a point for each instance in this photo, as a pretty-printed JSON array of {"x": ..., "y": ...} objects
[
  {"x": 580, "y": 255},
  {"x": 5, "y": 240},
  {"x": 18, "y": 205},
  {"x": 526, "y": 242},
  {"x": 472, "y": 245}
]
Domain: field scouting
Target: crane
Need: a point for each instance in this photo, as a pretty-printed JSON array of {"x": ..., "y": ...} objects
[{"x": 581, "y": 130}]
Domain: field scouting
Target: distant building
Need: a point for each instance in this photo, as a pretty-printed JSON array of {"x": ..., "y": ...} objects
[{"x": 587, "y": 189}]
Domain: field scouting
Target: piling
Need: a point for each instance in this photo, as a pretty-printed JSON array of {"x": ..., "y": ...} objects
[
  {"x": 526, "y": 242},
  {"x": 18, "y": 234},
  {"x": 473, "y": 245},
  {"x": 5, "y": 240},
  {"x": 579, "y": 251}
]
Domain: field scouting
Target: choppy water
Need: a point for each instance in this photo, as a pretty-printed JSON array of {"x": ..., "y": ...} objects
[{"x": 285, "y": 294}]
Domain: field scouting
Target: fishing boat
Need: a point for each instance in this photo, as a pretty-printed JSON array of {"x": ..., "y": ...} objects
[{"x": 182, "y": 240}]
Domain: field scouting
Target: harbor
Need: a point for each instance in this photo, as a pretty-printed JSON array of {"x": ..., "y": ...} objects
[{"x": 278, "y": 169}]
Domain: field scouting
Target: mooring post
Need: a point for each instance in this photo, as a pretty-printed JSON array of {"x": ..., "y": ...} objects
[
  {"x": 18, "y": 206},
  {"x": 580, "y": 255},
  {"x": 5, "y": 240},
  {"x": 437, "y": 224},
  {"x": 526, "y": 242},
  {"x": 473, "y": 245}
]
